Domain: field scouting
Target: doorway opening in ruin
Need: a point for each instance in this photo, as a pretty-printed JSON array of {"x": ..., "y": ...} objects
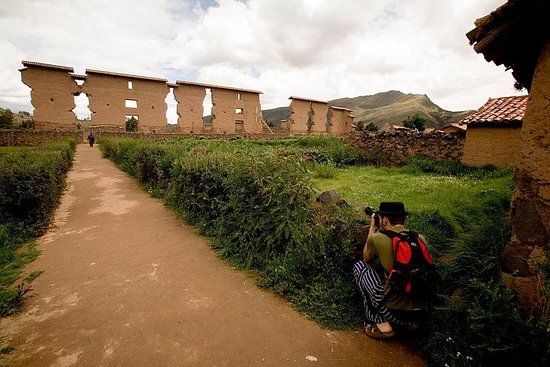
[
  {"x": 82, "y": 111},
  {"x": 171, "y": 108},
  {"x": 207, "y": 106}
]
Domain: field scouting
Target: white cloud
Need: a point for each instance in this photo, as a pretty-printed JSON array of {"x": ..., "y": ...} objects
[{"x": 321, "y": 49}]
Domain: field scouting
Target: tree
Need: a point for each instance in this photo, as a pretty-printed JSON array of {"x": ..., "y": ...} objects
[
  {"x": 132, "y": 124},
  {"x": 6, "y": 119},
  {"x": 27, "y": 124},
  {"x": 417, "y": 121},
  {"x": 371, "y": 126},
  {"x": 363, "y": 126}
]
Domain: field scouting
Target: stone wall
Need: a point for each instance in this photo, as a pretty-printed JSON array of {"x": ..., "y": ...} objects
[
  {"x": 35, "y": 137},
  {"x": 498, "y": 146},
  {"x": 393, "y": 147},
  {"x": 530, "y": 210}
]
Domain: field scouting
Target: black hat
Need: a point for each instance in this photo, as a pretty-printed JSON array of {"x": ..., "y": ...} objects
[{"x": 392, "y": 208}]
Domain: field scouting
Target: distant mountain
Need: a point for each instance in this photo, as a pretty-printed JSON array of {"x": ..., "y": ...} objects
[{"x": 390, "y": 107}]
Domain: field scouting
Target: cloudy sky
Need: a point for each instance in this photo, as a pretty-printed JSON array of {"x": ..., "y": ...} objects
[{"x": 321, "y": 49}]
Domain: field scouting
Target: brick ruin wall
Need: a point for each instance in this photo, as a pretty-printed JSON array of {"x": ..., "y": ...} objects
[
  {"x": 397, "y": 146},
  {"x": 530, "y": 209},
  {"x": 52, "y": 90},
  {"x": 489, "y": 145},
  {"x": 114, "y": 98},
  {"x": 339, "y": 121},
  {"x": 315, "y": 117}
]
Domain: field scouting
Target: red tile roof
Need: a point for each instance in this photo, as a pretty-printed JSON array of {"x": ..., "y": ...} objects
[{"x": 503, "y": 110}]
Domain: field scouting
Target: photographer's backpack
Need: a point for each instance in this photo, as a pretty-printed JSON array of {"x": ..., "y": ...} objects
[{"x": 413, "y": 274}]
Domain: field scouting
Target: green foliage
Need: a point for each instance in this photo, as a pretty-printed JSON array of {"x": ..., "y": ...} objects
[
  {"x": 325, "y": 171},
  {"x": 377, "y": 156},
  {"x": 132, "y": 124},
  {"x": 416, "y": 121},
  {"x": 6, "y": 119},
  {"x": 31, "y": 183},
  {"x": 27, "y": 124},
  {"x": 371, "y": 126},
  {"x": 452, "y": 168},
  {"x": 364, "y": 126}
]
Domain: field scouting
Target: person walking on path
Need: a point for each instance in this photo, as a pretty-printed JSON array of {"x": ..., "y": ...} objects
[{"x": 91, "y": 139}]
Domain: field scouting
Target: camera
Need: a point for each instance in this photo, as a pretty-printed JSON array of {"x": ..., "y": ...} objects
[{"x": 369, "y": 210}]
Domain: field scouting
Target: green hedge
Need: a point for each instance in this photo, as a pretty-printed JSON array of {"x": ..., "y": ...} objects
[{"x": 31, "y": 182}]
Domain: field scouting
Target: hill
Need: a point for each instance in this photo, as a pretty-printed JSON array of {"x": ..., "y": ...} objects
[{"x": 390, "y": 107}]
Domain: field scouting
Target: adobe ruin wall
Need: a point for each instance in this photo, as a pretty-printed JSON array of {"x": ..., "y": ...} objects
[{"x": 530, "y": 210}]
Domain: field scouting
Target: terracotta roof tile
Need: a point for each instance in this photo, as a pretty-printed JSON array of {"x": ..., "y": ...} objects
[{"x": 501, "y": 110}]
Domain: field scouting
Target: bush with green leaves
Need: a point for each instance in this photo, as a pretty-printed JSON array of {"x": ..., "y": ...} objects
[
  {"x": 132, "y": 124},
  {"x": 31, "y": 183},
  {"x": 416, "y": 121},
  {"x": 6, "y": 119}
]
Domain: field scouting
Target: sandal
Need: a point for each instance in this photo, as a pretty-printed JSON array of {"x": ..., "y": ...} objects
[{"x": 372, "y": 331}]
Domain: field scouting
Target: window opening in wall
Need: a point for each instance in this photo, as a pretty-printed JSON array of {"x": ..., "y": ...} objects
[
  {"x": 238, "y": 126},
  {"x": 79, "y": 81},
  {"x": 81, "y": 110},
  {"x": 172, "y": 108},
  {"x": 238, "y": 96},
  {"x": 131, "y": 103},
  {"x": 130, "y": 85},
  {"x": 207, "y": 106},
  {"x": 239, "y": 111}
]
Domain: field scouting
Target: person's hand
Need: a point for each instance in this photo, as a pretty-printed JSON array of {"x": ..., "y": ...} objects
[{"x": 373, "y": 228}]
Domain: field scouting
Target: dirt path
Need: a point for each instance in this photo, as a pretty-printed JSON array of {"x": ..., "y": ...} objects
[{"x": 126, "y": 283}]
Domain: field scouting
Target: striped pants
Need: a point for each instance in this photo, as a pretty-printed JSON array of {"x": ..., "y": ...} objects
[{"x": 371, "y": 287}]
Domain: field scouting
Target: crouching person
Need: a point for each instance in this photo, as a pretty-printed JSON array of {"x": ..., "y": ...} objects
[{"x": 395, "y": 297}]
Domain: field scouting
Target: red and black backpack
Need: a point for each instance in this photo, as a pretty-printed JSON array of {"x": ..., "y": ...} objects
[{"x": 413, "y": 273}]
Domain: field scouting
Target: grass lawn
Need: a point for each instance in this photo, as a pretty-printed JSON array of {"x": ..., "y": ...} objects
[{"x": 452, "y": 196}]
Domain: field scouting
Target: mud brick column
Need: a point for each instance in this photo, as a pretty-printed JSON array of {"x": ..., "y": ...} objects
[{"x": 530, "y": 210}]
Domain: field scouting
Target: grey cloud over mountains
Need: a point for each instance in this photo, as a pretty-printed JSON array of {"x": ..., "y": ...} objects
[{"x": 322, "y": 49}]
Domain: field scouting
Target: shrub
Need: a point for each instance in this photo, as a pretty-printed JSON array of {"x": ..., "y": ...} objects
[
  {"x": 416, "y": 121},
  {"x": 325, "y": 171},
  {"x": 132, "y": 124},
  {"x": 31, "y": 183},
  {"x": 6, "y": 119}
]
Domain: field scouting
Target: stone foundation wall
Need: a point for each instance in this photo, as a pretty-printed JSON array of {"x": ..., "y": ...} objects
[
  {"x": 396, "y": 146},
  {"x": 35, "y": 137}
]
